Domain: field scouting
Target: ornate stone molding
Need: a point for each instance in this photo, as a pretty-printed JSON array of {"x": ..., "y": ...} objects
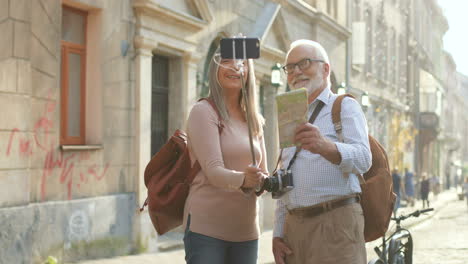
[
  {"x": 152, "y": 9},
  {"x": 204, "y": 9},
  {"x": 320, "y": 18},
  {"x": 144, "y": 46}
]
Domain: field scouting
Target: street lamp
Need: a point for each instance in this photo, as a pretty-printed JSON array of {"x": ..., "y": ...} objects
[
  {"x": 341, "y": 89},
  {"x": 365, "y": 100},
  {"x": 276, "y": 75}
]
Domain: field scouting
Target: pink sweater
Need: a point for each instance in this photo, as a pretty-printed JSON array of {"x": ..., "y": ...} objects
[{"x": 217, "y": 206}]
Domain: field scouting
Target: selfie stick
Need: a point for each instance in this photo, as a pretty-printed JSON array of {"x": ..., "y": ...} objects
[{"x": 245, "y": 96}]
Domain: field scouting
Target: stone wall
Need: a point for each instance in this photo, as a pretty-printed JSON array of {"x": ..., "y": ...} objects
[
  {"x": 69, "y": 230},
  {"x": 34, "y": 168}
]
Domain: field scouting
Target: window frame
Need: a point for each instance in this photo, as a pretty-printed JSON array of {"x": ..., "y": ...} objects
[{"x": 66, "y": 49}]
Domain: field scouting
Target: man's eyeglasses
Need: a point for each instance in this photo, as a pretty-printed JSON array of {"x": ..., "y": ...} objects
[{"x": 302, "y": 64}]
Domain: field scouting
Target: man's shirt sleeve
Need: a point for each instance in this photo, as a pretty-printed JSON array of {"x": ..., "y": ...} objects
[{"x": 355, "y": 151}]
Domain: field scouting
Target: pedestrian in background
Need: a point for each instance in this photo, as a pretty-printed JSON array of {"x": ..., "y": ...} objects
[
  {"x": 425, "y": 187},
  {"x": 409, "y": 186},
  {"x": 396, "y": 188},
  {"x": 465, "y": 190}
]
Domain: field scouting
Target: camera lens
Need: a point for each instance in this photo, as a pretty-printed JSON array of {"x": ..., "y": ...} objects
[{"x": 271, "y": 184}]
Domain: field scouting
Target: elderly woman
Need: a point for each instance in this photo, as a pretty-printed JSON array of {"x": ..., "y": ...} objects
[{"x": 220, "y": 216}]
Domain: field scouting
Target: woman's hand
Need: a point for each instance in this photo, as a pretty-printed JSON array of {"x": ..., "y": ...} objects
[{"x": 253, "y": 177}]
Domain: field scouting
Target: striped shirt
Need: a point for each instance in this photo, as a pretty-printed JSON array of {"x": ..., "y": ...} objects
[{"x": 316, "y": 179}]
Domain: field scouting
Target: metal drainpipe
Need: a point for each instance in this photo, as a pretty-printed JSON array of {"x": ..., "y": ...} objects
[{"x": 348, "y": 43}]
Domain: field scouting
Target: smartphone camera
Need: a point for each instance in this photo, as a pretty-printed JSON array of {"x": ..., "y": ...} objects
[{"x": 240, "y": 48}]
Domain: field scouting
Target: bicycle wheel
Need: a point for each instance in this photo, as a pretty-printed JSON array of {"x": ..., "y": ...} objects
[{"x": 408, "y": 251}]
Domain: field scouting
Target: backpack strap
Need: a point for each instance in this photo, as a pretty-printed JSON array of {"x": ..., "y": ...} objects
[
  {"x": 336, "y": 119},
  {"x": 220, "y": 120},
  {"x": 336, "y": 115}
]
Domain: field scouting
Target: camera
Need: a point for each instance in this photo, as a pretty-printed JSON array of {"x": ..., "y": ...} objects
[{"x": 280, "y": 183}]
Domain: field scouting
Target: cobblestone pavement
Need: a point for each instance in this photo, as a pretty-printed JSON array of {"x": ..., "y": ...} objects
[
  {"x": 444, "y": 238},
  {"x": 441, "y": 237}
]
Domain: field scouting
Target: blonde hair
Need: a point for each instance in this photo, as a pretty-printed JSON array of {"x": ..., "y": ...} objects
[{"x": 217, "y": 95}]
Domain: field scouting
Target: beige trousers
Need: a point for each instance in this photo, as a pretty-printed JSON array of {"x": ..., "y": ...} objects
[{"x": 334, "y": 237}]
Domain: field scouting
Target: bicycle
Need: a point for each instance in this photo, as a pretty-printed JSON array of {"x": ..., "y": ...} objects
[{"x": 398, "y": 247}]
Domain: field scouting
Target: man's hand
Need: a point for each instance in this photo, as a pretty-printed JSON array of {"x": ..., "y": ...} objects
[
  {"x": 311, "y": 139},
  {"x": 280, "y": 250}
]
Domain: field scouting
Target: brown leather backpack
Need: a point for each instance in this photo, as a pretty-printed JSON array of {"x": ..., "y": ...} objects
[
  {"x": 377, "y": 197},
  {"x": 168, "y": 176}
]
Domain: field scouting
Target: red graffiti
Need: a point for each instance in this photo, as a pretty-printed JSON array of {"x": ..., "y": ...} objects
[
  {"x": 67, "y": 165},
  {"x": 83, "y": 178},
  {"x": 64, "y": 162},
  {"x": 46, "y": 124},
  {"x": 11, "y": 140},
  {"x": 25, "y": 147},
  {"x": 92, "y": 171}
]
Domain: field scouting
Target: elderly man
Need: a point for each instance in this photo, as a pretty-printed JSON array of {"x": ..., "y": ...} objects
[{"x": 321, "y": 220}]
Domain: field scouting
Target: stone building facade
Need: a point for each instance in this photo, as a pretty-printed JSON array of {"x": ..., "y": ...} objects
[
  {"x": 379, "y": 70},
  {"x": 67, "y": 157},
  {"x": 397, "y": 58},
  {"x": 91, "y": 89}
]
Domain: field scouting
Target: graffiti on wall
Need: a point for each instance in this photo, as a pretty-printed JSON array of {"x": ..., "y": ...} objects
[{"x": 54, "y": 159}]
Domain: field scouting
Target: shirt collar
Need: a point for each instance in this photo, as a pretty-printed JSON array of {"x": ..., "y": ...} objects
[{"x": 324, "y": 96}]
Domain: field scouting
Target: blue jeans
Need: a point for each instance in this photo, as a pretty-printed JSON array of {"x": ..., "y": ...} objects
[{"x": 201, "y": 249}]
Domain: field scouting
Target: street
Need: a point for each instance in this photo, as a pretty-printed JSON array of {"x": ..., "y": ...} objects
[
  {"x": 441, "y": 238},
  {"x": 444, "y": 238}
]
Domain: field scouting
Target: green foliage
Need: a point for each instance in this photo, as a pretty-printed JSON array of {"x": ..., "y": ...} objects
[{"x": 51, "y": 260}]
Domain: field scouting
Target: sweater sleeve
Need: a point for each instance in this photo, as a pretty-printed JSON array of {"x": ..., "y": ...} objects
[{"x": 203, "y": 134}]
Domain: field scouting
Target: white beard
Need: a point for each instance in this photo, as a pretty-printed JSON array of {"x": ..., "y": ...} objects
[{"x": 313, "y": 84}]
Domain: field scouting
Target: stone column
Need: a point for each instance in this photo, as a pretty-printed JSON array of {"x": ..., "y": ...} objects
[
  {"x": 183, "y": 89},
  {"x": 144, "y": 233}
]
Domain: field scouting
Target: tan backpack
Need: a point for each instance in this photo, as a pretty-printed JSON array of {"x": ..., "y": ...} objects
[{"x": 377, "y": 197}]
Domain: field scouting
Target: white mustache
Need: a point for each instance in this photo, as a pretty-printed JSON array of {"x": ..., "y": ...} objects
[{"x": 299, "y": 78}]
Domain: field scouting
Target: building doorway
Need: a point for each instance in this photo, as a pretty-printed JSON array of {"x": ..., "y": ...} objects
[{"x": 159, "y": 102}]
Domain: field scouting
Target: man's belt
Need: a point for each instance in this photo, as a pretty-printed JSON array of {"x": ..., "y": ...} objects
[{"x": 324, "y": 207}]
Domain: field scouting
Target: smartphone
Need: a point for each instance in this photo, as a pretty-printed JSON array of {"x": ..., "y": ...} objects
[{"x": 252, "y": 48}]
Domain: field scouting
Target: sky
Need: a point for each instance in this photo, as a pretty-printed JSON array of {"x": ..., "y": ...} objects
[{"x": 456, "y": 38}]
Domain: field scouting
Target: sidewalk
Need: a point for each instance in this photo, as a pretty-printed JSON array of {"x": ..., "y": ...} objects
[
  {"x": 265, "y": 254},
  {"x": 437, "y": 203},
  {"x": 177, "y": 256}
]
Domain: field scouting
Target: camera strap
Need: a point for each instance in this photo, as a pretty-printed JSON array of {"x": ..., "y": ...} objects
[{"x": 311, "y": 120}]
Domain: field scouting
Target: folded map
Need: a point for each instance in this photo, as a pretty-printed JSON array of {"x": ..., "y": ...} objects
[{"x": 292, "y": 111}]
